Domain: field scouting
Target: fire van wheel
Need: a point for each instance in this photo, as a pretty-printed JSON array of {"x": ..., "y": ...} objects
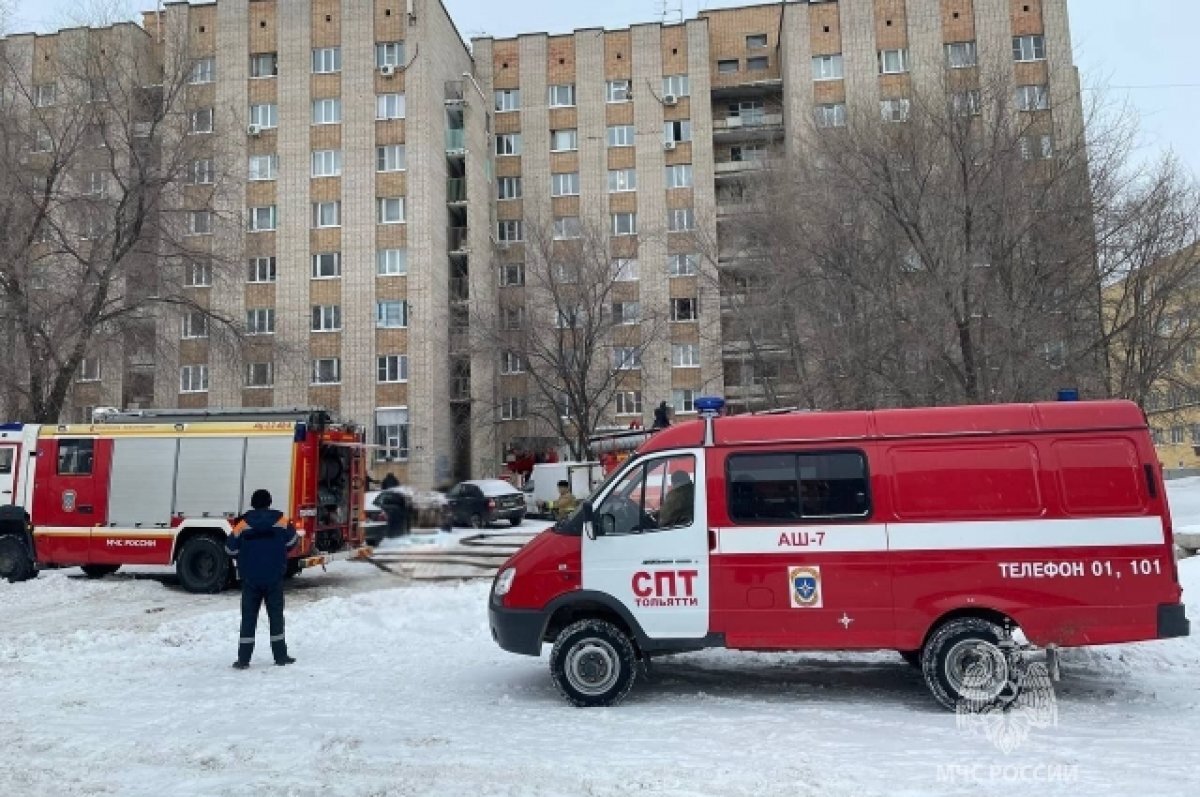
[
  {"x": 203, "y": 565},
  {"x": 15, "y": 562},
  {"x": 593, "y": 663},
  {"x": 99, "y": 571},
  {"x": 965, "y": 668}
]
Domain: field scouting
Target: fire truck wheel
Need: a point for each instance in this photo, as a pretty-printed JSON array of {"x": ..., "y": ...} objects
[
  {"x": 99, "y": 571},
  {"x": 593, "y": 663},
  {"x": 965, "y": 667},
  {"x": 203, "y": 565},
  {"x": 15, "y": 562}
]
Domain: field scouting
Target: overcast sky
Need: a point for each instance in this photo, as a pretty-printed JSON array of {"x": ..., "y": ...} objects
[{"x": 1134, "y": 51}]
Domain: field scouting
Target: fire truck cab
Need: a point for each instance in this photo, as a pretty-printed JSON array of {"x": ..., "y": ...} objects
[
  {"x": 942, "y": 534},
  {"x": 165, "y": 488}
]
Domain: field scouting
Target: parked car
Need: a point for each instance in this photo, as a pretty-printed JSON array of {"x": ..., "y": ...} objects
[
  {"x": 480, "y": 502},
  {"x": 389, "y": 513}
]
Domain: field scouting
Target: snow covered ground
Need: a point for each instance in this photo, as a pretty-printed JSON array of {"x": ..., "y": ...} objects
[{"x": 123, "y": 687}]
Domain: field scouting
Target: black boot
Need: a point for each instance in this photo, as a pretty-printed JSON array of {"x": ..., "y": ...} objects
[
  {"x": 241, "y": 665},
  {"x": 245, "y": 651},
  {"x": 279, "y": 650}
]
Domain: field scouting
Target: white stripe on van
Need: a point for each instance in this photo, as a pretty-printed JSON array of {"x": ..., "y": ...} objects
[{"x": 945, "y": 536}]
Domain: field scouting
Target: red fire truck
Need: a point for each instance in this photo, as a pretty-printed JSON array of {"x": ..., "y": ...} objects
[
  {"x": 945, "y": 534},
  {"x": 163, "y": 487}
]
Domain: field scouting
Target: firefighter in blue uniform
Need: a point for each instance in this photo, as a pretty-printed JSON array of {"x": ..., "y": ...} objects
[{"x": 261, "y": 540}]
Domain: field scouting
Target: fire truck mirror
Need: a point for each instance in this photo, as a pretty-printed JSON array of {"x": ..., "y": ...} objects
[{"x": 607, "y": 525}]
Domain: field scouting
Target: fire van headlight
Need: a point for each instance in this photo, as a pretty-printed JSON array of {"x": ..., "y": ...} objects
[{"x": 504, "y": 582}]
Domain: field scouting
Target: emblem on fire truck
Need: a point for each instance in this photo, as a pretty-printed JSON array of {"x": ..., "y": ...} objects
[
  {"x": 804, "y": 584},
  {"x": 68, "y": 500}
]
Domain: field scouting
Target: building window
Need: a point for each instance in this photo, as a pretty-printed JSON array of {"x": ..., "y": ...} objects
[
  {"x": 390, "y": 158},
  {"x": 326, "y": 60},
  {"x": 260, "y": 321},
  {"x": 679, "y": 176},
  {"x": 564, "y": 184},
  {"x": 326, "y": 265},
  {"x": 193, "y": 379},
  {"x": 264, "y": 65},
  {"x": 259, "y": 375},
  {"x": 393, "y": 368},
  {"x": 757, "y": 41},
  {"x": 624, "y": 224},
  {"x": 264, "y": 219},
  {"x": 198, "y": 274},
  {"x": 508, "y": 144},
  {"x": 625, "y": 269},
  {"x": 203, "y": 172},
  {"x": 512, "y": 275},
  {"x": 200, "y": 222},
  {"x": 831, "y": 115},
  {"x": 44, "y": 95},
  {"x": 326, "y": 214},
  {"x": 566, "y": 228},
  {"x": 620, "y": 136},
  {"x": 894, "y": 110},
  {"x": 682, "y": 265},
  {"x": 677, "y": 131},
  {"x": 389, "y": 54},
  {"x": 508, "y": 188},
  {"x": 89, "y": 370},
  {"x": 966, "y": 103},
  {"x": 391, "y": 314},
  {"x": 391, "y": 262},
  {"x": 728, "y": 66},
  {"x": 620, "y": 180},
  {"x": 391, "y": 434},
  {"x": 747, "y": 152},
  {"x": 327, "y": 371},
  {"x": 1177, "y": 435},
  {"x": 1029, "y": 48},
  {"x": 683, "y": 400},
  {"x": 961, "y": 55},
  {"x": 1033, "y": 98},
  {"x": 327, "y": 111},
  {"x": 676, "y": 86},
  {"x": 389, "y": 106},
  {"x": 618, "y": 91},
  {"x": 511, "y": 363},
  {"x": 685, "y": 355},
  {"x": 512, "y": 408},
  {"x": 1036, "y": 147},
  {"x": 684, "y": 310},
  {"x": 326, "y": 163},
  {"x": 564, "y": 140},
  {"x": 203, "y": 71},
  {"x": 263, "y": 167},
  {"x": 893, "y": 62},
  {"x": 510, "y": 231},
  {"x": 566, "y": 318},
  {"x": 626, "y": 312},
  {"x": 261, "y": 269},
  {"x": 200, "y": 120},
  {"x": 626, "y": 358},
  {"x": 508, "y": 100},
  {"x": 751, "y": 112},
  {"x": 390, "y": 210},
  {"x": 562, "y": 96},
  {"x": 264, "y": 116},
  {"x": 681, "y": 219},
  {"x": 758, "y": 64},
  {"x": 828, "y": 67},
  {"x": 629, "y": 402},
  {"x": 326, "y": 318}
]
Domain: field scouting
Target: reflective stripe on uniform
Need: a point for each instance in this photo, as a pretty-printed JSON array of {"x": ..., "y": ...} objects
[
  {"x": 277, "y": 637},
  {"x": 245, "y": 641}
]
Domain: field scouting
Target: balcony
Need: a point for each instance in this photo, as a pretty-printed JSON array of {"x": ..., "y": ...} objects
[
  {"x": 456, "y": 190},
  {"x": 456, "y": 141},
  {"x": 738, "y": 168},
  {"x": 748, "y": 126},
  {"x": 454, "y": 92},
  {"x": 457, "y": 239},
  {"x": 763, "y": 87}
]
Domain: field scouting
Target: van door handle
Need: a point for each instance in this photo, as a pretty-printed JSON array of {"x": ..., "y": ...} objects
[
  {"x": 85, "y": 509},
  {"x": 1151, "y": 484},
  {"x": 712, "y": 539}
]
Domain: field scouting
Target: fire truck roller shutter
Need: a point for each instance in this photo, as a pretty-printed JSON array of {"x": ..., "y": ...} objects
[
  {"x": 142, "y": 484},
  {"x": 209, "y": 480},
  {"x": 269, "y": 467}
]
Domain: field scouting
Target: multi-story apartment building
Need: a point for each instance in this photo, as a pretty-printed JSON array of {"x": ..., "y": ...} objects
[{"x": 391, "y": 173}]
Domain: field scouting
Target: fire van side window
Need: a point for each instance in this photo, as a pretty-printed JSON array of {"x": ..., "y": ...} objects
[
  {"x": 75, "y": 457},
  {"x": 6, "y": 461},
  {"x": 784, "y": 487},
  {"x": 659, "y": 494}
]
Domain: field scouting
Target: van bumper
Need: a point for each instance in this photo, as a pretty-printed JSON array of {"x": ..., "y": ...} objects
[
  {"x": 517, "y": 630},
  {"x": 1172, "y": 621}
]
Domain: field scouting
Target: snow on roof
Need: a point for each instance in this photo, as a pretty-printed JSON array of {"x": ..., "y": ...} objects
[{"x": 493, "y": 486}]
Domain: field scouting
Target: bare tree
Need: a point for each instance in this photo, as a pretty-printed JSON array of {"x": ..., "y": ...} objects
[
  {"x": 571, "y": 341},
  {"x": 106, "y": 186},
  {"x": 945, "y": 254}
]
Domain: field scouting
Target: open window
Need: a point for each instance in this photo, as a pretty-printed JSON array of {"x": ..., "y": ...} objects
[{"x": 653, "y": 496}]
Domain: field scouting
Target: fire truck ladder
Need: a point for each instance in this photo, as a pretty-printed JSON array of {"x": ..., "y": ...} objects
[{"x": 315, "y": 417}]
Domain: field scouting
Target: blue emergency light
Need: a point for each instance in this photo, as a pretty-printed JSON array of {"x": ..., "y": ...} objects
[
  {"x": 709, "y": 406},
  {"x": 1068, "y": 394}
]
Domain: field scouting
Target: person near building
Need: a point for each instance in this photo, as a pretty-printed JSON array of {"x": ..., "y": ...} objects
[
  {"x": 661, "y": 419},
  {"x": 389, "y": 481},
  {"x": 566, "y": 503},
  {"x": 260, "y": 541}
]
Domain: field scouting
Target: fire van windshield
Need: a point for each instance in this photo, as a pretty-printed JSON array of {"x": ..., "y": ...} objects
[{"x": 573, "y": 525}]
